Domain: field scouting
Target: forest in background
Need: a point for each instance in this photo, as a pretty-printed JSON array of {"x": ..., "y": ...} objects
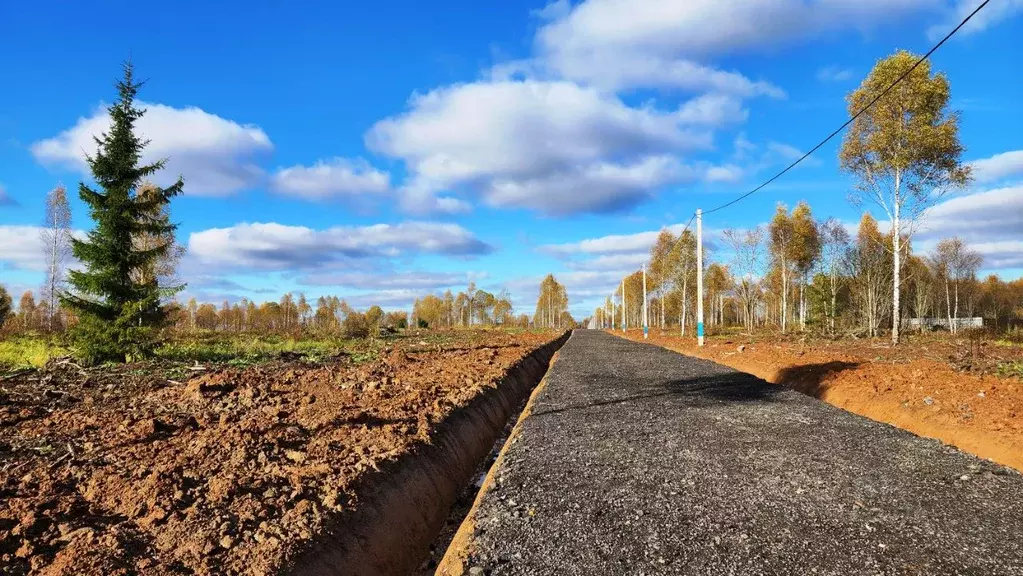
[{"x": 802, "y": 273}]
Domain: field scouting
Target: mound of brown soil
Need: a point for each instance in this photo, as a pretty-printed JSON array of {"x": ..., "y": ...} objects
[{"x": 232, "y": 471}]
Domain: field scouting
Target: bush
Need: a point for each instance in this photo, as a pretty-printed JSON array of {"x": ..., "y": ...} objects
[
  {"x": 126, "y": 338},
  {"x": 355, "y": 325},
  {"x": 5, "y": 305}
]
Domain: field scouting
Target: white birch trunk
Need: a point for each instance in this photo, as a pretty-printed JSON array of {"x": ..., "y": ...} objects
[
  {"x": 784, "y": 295},
  {"x": 897, "y": 263}
]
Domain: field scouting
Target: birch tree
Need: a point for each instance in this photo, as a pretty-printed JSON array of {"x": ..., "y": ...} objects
[
  {"x": 806, "y": 249},
  {"x": 163, "y": 268},
  {"x": 834, "y": 249},
  {"x": 904, "y": 150},
  {"x": 871, "y": 269},
  {"x": 551, "y": 303},
  {"x": 682, "y": 261},
  {"x": 449, "y": 308},
  {"x": 56, "y": 238},
  {"x": 955, "y": 264},
  {"x": 470, "y": 296},
  {"x": 746, "y": 247},
  {"x": 781, "y": 247},
  {"x": 661, "y": 264},
  {"x": 27, "y": 311},
  {"x": 718, "y": 281}
]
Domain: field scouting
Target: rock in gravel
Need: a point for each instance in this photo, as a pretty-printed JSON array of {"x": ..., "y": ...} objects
[
  {"x": 476, "y": 571},
  {"x": 741, "y": 348},
  {"x": 928, "y": 400}
]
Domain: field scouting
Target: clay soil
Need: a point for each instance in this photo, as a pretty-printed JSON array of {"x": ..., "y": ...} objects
[
  {"x": 135, "y": 470},
  {"x": 933, "y": 385}
]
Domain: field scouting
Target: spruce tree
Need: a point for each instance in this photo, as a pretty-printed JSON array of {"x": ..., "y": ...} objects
[{"x": 119, "y": 309}]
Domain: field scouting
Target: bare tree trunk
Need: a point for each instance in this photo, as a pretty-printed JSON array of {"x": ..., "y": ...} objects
[
  {"x": 784, "y": 296},
  {"x": 802, "y": 304},
  {"x": 955, "y": 315},
  {"x": 834, "y": 297},
  {"x": 52, "y": 273},
  {"x": 948, "y": 308},
  {"x": 897, "y": 257},
  {"x": 684, "y": 314}
]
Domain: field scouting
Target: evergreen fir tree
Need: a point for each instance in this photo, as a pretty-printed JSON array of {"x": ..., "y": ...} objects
[{"x": 119, "y": 309}]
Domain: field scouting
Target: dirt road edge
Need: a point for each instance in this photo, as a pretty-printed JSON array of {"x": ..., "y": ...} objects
[
  {"x": 453, "y": 563},
  {"x": 1006, "y": 453},
  {"x": 407, "y": 502}
]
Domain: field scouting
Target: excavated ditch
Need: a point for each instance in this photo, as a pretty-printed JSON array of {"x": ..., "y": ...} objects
[{"x": 406, "y": 505}]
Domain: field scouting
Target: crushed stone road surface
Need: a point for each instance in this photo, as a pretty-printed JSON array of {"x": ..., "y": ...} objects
[{"x": 638, "y": 460}]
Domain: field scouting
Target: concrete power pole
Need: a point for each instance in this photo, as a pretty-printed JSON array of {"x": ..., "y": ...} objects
[
  {"x": 646, "y": 327},
  {"x": 699, "y": 277},
  {"x": 624, "y": 323}
]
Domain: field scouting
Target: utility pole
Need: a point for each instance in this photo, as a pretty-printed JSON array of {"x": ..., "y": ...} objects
[
  {"x": 699, "y": 277},
  {"x": 624, "y": 323},
  {"x": 646, "y": 328}
]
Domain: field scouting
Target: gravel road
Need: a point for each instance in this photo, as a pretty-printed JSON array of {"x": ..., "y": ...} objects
[{"x": 638, "y": 460}]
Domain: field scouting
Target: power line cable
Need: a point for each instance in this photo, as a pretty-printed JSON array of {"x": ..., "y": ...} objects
[
  {"x": 843, "y": 126},
  {"x": 856, "y": 115}
]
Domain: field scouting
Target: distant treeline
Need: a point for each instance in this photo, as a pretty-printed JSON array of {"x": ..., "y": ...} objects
[{"x": 800, "y": 273}]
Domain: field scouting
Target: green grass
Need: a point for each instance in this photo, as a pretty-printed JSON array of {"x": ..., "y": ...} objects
[
  {"x": 1007, "y": 343},
  {"x": 1011, "y": 368},
  {"x": 29, "y": 352},
  {"x": 33, "y": 351},
  {"x": 241, "y": 350}
]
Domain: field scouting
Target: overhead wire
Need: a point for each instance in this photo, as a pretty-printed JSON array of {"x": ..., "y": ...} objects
[
  {"x": 838, "y": 130},
  {"x": 854, "y": 116}
]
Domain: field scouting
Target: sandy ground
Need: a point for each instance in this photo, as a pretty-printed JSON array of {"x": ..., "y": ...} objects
[
  {"x": 934, "y": 385},
  {"x": 126, "y": 471}
]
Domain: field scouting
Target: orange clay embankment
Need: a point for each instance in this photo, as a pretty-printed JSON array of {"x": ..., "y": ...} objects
[{"x": 909, "y": 387}]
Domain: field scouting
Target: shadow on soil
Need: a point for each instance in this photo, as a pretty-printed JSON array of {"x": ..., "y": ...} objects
[
  {"x": 699, "y": 391},
  {"x": 809, "y": 378}
]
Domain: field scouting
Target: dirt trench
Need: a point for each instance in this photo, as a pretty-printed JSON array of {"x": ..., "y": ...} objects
[{"x": 406, "y": 503}]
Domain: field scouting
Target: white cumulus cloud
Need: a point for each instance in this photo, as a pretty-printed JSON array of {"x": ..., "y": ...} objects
[
  {"x": 990, "y": 221},
  {"x": 989, "y": 16},
  {"x": 834, "y": 74},
  {"x": 713, "y": 110},
  {"x": 517, "y": 143},
  {"x": 273, "y": 246},
  {"x": 639, "y": 242},
  {"x": 21, "y": 247},
  {"x": 663, "y": 43},
  {"x": 216, "y": 156},
  {"x": 998, "y": 167},
  {"x": 337, "y": 177}
]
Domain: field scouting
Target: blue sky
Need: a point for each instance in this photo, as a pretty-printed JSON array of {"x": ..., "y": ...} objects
[{"x": 382, "y": 150}]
